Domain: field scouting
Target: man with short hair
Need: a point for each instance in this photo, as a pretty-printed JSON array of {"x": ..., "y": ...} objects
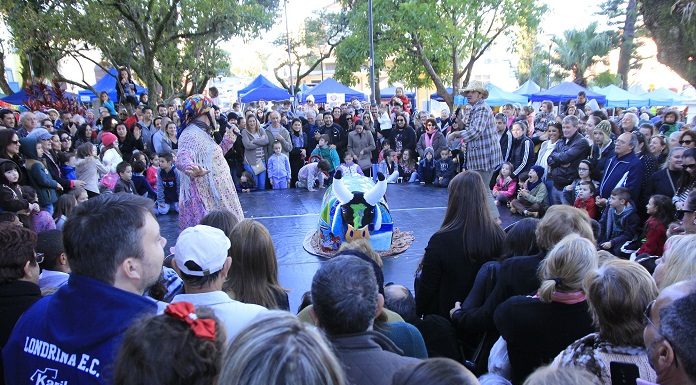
[
  {"x": 565, "y": 159},
  {"x": 148, "y": 127},
  {"x": 202, "y": 263},
  {"x": 162, "y": 110},
  {"x": 339, "y": 138},
  {"x": 55, "y": 268},
  {"x": 581, "y": 101},
  {"x": 670, "y": 335},
  {"x": 623, "y": 170},
  {"x": 7, "y": 119},
  {"x": 27, "y": 124},
  {"x": 115, "y": 252},
  {"x": 346, "y": 300}
]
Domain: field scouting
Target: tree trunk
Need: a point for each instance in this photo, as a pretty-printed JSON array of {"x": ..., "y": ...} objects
[
  {"x": 675, "y": 39},
  {"x": 627, "y": 46},
  {"x": 4, "y": 86}
]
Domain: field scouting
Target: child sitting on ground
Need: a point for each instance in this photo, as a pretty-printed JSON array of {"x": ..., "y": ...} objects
[
  {"x": 505, "y": 185},
  {"x": 312, "y": 175},
  {"x": 426, "y": 167},
  {"x": 445, "y": 169},
  {"x": 389, "y": 166},
  {"x": 167, "y": 185},
  {"x": 620, "y": 222},
  {"x": 585, "y": 200},
  {"x": 142, "y": 186},
  {"x": 531, "y": 199},
  {"x": 324, "y": 151},
  {"x": 68, "y": 161},
  {"x": 279, "y": 168},
  {"x": 349, "y": 168},
  {"x": 408, "y": 166},
  {"x": 247, "y": 183},
  {"x": 125, "y": 178}
]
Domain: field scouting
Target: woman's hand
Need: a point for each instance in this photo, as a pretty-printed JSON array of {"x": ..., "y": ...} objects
[{"x": 195, "y": 171}]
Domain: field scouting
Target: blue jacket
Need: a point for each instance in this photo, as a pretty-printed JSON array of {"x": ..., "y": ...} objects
[
  {"x": 72, "y": 337},
  {"x": 626, "y": 171}
]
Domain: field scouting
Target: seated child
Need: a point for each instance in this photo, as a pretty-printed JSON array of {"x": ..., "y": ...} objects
[
  {"x": 349, "y": 168},
  {"x": 312, "y": 175},
  {"x": 661, "y": 211},
  {"x": 531, "y": 199},
  {"x": 125, "y": 179},
  {"x": 408, "y": 166},
  {"x": 167, "y": 185},
  {"x": 324, "y": 151},
  {"x": 279, "y": 168},
  {"x": 586, "y": 198},
  {"x": 445, "y": 169},
  {"x": 68, "y": 161},
  {"x": 389, "y": 166},
  {"x": 10, "y": 192},
  {"x": 247, "y": 183},
  {"x": 620, "y": 222},
  {"x": 505, "y": 185},
  {"x": 426, "y": 167},
  {"x": 142, "y": 186}
]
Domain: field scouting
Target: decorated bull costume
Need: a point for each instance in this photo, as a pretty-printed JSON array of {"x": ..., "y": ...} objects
[{"x": 354, "y": 207}]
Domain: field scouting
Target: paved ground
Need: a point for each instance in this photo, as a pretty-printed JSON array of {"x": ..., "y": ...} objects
[{"x": 290, "y": 214}]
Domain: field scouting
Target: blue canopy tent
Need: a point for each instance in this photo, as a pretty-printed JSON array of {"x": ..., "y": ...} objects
[
  {"x": 331, "y": 86},
  {"x": 527, "y": 88},
  {"x": 265, "y": 92},
  {"x": 663, "y": 97},
  {"x": 435, "y": 96},
  {"x": 256, "y": 83},
  {"x": 389, "y": 93},
  {"x": 107, "y": 84},
  {"x": 21, "y": 97},
  {"x": 618, "y": 97},
  {"x": 564, "y": 92},
  {"x": 498, "y": 97}
]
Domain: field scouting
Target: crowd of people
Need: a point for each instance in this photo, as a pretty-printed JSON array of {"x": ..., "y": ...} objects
[{"x": 596, "y": 284}]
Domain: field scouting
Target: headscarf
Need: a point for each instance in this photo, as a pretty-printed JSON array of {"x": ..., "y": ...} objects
[{"x": 194, "y": 106}]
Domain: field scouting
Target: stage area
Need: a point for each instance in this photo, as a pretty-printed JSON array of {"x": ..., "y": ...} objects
[{"x": 290, "y": 214}]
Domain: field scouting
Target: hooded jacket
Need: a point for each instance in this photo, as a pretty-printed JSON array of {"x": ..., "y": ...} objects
[
  {"x": 39, "y": 177},
  {"x": 55, "y": 340},
  {"x": 625, "y": 171}
]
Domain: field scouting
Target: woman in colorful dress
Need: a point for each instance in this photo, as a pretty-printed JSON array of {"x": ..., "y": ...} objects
[{"x": 208, "y": 185}]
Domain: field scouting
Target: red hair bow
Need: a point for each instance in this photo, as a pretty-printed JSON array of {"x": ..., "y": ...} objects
[{"x": 185, "y": 311}]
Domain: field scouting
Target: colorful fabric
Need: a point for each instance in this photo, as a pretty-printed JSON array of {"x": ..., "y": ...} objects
[{"x": 195, "y": 106}]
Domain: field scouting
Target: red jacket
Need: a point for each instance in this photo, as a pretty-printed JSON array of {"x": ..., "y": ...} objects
[
  {"x": 655, "y": 237},
  {"x": 588, "y": 205},
  {"x": 507, "y": 190}
]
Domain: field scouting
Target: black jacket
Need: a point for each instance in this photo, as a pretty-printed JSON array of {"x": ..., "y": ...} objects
[
  {"x": 521, "y": 155},
  {"x": 565, "y": 159},
  {"x": 15, "y": 298}
]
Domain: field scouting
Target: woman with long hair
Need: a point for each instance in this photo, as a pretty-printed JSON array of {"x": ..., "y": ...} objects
[
  {"x": 255, "y": 141},
  {"x": 300, "y": 144},
  {"x": 253, "y": 276},
  {"x": 9, "y": 149},
  {"x": 127, "y": 141},
  {"x": 467, "y": 238},
  {"x": 125, "y": 88}
]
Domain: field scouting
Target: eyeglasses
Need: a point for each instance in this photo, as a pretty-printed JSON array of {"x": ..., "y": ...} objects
[
  {"x": 400, "y": 120},
  {"x": 48, "y": 125},
  {"x": 14, "y": 141},
  {"x": 39, "y": 257},
  {"x": 65, "y": 139},
  {"x": 688, "y": 166},
  {"x": 686, "y": 141},
  {"x": 648, "y": 312}
]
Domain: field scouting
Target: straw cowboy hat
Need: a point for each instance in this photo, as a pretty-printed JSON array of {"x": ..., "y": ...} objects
[{"x": 478, "y": 86}]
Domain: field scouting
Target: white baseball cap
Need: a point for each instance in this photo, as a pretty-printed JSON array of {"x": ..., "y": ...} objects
[{"x": 204, "y": 246}]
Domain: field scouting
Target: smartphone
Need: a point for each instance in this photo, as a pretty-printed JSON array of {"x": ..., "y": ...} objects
[{"x": 623, "y": 373}]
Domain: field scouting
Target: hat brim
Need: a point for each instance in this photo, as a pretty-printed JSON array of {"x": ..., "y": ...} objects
[{"x": 482, "y": 91}]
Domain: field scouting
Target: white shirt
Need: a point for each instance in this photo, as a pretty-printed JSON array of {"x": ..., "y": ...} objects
[
  {"x": 233, "y": 314},
  {"x": 111, "y": 159},
  {"x": 50, "y": 279}
]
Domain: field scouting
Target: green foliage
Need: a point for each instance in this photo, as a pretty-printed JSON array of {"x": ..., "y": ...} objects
[
  {"x": 431, "y": 42},
  {"x": 578, "y": 50},
  {"x": 606, "y": 78},
  {"x": 534, "y": 59}
]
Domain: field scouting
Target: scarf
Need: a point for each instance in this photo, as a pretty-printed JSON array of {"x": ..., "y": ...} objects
[
  {"x": 531, "y": 186},
  {"x": 566, "y": 298},
  {"x": 429, "y": 139}
]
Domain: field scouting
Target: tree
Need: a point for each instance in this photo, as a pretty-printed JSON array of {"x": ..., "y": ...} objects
[
  {"x": 606, "y": 78},
  {"x": 624, "y": 15},
  {"x": 534, "y": 59},
  {"x": 578, "y": 50},
  {"x": 316, "y": 42},
  {"x": 671, "y": 25},
  {"x": 433, "y": 42}
]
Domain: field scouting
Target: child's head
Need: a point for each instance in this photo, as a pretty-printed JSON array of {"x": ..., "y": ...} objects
[
  {"x": 80, "y": 195},
  {"x": 247, "y": 178},
  {"x": 586, "y": 189},
  {"x": 386, "y": 145},
  {"x": 620, "y": 197},
  {"x": 393, "y": 157},
  {"x": 67, "y": 159},
  {"x": 535, "y": 173},
  {"x": 444, "y": 153},
  {"x": 407, "y": 155},
  {"x": 277, "y": 148},
  {"x": 138, "y": 167},
  {"x": 86, "y": 150},
  {"x": 584, "y": 169},
  {"x": 64, "y": 206},
  {"x": 125, "y": 171},
  {"x": 9, "y": 172},
  {"x": 662, "y": 208},
  {"x": 155, "y": 161},
  {"x": 166, "y": 161},
  {"x": 348, "y": 157},
  {"x": 324, "y": 140},
  {"x": 523, "y": 178},
  {"x": 145, "y": 354},
  {"x": 29, "y": 194},
  {"x": 506, "y": 169},
  {"x": 429, "y": 153},
  {"x": 324, "y": 165}
]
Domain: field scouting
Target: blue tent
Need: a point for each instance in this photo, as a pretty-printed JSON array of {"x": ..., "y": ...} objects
[
  {"x": 107, "y": 84},
  {"x": 618, "y": 97},
  {"x": 331, "y": 86},
  {"x": 21, "y": 97},
  {"x": 663, "y": 97},
  {"x": 256, "y": 83},
  {"x": 498, "y": 97},
  {"x": 528, "y": 88},
  {"x": 389, "y": 93},
  {"x": 265, "y": 92},
  {"x": 435, "y": 96},
  {"x": 564, "y": 92}
]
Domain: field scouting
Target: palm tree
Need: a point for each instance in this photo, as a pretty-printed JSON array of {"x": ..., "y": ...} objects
[{"x": 578, "y": 50}]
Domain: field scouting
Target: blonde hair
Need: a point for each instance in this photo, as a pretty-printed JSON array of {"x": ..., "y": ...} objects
[
  {"x": 561, "y": 220},
  {"x": 618, "y": 293},
  {"x": 566, "y": 266},
  {"x": 679, "y": 260},
  {"x": 363, "y": 246},
  {"x": 277, "y": 348},
  {"x": 547, "y": 375}
]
